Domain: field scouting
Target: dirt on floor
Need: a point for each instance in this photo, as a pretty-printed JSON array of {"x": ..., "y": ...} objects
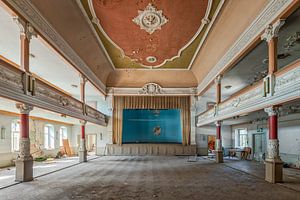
[{"x": 142, "y": 178}]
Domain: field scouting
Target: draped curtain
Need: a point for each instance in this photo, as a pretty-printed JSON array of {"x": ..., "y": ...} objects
[{"x": 151, "y": 102}]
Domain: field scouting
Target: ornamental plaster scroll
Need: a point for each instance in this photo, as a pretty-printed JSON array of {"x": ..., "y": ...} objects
[
  {"x": 205, "y": 21},
  {"x": 273, "y": 149},
  {"x": 24, "y": 108},
  {"x": 291, "y": 41},
  {"x": 269, "y": 14},
  {"x": 46, "y": 93},
  {"x": 36, "y": 20},
  {"x": 11, "y": 79},
  {"x": 25, "y": 28},
  {"x": 150, "y": 19},
  {"x": 272, "y": 30},
  {"x": 151, "y": 89},
  {"x": 24, "y": 153},
  {"x": 95, "y": 113}
]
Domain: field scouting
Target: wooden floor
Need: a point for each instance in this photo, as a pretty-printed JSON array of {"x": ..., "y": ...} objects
[{"x": 149, "y": 178}]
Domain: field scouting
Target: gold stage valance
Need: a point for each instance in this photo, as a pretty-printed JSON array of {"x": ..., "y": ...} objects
[{"x": 151, "y": 102}]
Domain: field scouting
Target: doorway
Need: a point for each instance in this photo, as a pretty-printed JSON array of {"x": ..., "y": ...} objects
[{"x": 259, "y": 146}]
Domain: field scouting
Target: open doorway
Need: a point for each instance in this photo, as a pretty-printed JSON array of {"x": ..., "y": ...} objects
[{"x": 211, "y": 141}]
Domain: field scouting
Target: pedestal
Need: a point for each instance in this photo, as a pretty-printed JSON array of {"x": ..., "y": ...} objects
[
  {"x": 82, "y": 153},
  {"x": 24, "y": 170},
  {"x": 219, "y": 156},
  {"x": 274, "y": 170}
]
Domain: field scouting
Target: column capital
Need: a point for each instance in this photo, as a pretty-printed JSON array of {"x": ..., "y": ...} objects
[
  {"x": 218, "y": 79},
  {"x": 83, "y": 79},
  {"x": 26, "y": 28},
  {"x": 272, "y": 111},
  {"x": 272, "y": 30},
  {"x": 218, "y": 123},
  {"x": 24, "y": 108},
  {"x": 82, "y": 122}
]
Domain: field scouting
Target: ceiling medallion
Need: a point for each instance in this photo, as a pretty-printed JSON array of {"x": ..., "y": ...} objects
[
  {"x": 150, "y": 19},
  {"x": 151, "y": 59}
]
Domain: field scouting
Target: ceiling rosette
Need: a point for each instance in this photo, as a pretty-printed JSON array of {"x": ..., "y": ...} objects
[{"x": 150, "y": 33}]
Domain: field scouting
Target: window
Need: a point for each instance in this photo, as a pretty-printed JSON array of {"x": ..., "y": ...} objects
[
  {"x": 15, "y": 133},
  {"x": 49, "y": 137},
  {"x": 63, "y": 134},
  {"x": 243, "y": 137}
]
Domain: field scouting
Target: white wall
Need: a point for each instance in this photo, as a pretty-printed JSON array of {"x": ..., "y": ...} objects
[
  {"x": 36, "y": 133},
  {"x": 288, "y": 135}
]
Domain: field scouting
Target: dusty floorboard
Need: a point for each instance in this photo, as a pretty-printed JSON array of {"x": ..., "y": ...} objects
[{"x": 148, "y": 178}]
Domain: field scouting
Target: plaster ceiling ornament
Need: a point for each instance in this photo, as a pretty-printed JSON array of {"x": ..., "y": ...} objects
[
  {"x": 150, "y": 19},
  {"x": 139, "y": 24},
  {"x": 151, "y": 89}
]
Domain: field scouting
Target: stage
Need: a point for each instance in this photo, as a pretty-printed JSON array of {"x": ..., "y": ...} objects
[{"x": 150, "y": 149}]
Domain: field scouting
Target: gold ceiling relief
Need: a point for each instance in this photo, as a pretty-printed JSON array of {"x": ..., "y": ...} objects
[{"x": 147, "y": 35}]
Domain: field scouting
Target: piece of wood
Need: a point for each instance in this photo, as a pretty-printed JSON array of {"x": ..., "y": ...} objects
[{"x": 67, "y": 147}]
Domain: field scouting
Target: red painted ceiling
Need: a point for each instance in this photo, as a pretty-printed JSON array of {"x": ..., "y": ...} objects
[{"x": 184, "y": 20}]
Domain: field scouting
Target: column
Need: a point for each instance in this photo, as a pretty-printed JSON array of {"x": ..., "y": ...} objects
[
  {"x": 271, "y": 37},
  {"x": 273, "y": 161},
  {"x": 24, "y": 161},
  {"x": 219, "y": 151},
  {"x": 26, "y": 33},
  {"x": 193, "y": 120},
  {"x": 82, "y": 149}
]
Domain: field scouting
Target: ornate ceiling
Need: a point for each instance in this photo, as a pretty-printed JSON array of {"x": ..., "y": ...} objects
[{"x": 151, "y": 33}]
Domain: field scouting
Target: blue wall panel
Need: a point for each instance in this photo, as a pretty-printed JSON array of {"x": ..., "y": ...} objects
[{"x": 139, "y": 126}]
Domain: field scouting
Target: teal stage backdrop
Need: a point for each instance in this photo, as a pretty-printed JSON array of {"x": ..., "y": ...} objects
[{"x": 151, "y": 126}]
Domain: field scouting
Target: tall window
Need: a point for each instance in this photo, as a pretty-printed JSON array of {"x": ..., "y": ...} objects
[
  {"x": 15, "y": 133},
  {"x": 63, "y": 134},
  {"x": 49, "y": 137},
  {"x": 243, "y": 137}
]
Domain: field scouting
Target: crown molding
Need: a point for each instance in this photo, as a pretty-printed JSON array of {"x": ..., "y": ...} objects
[
  {"x": 266, "y": 17},
  {"x": 151, "y": 89},
  {"x": 27, "y": 10}
]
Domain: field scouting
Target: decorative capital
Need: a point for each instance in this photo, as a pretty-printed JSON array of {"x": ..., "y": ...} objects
[
  {"x": 218, "y": 79},
  {"x": 151, "y": 89},
  {"x": 218, "y": 123},
  {"x": 25, "y": 28},
  {"x": 272, "y": 111},
  {"x": 24, "y": 108},
  {"x": 82, "y": 122},
  {"x": 272, "y": 30}
]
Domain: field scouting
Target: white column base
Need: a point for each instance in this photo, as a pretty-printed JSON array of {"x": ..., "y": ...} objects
[
  {"x": 82, "y": 153},
  {"x": 24, "y": 162},
  {"x": 273, "y": 163}
]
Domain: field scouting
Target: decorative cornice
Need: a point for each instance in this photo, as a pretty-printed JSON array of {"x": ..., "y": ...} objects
[
  {"x": 34, "y": 17},
  {"x": 272, "y": 30},
  {"x": 158, "y": 91},
  {"x": 269, "y": 14},
  {"x": 24, "y": 108}
]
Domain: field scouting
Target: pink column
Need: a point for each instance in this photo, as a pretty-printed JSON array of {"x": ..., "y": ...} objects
[{"x": 24, "y": 161}]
